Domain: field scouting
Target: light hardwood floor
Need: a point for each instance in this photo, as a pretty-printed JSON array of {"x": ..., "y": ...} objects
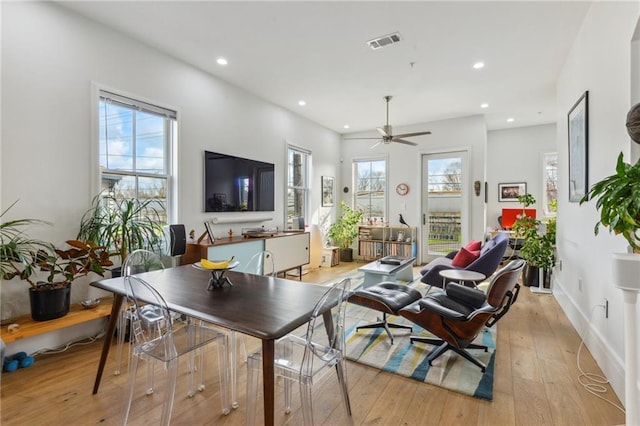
[{"x": 535, "y": 384}]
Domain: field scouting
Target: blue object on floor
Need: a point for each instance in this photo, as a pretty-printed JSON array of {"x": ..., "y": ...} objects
[
  {"x": 26, "y": 362},
  {"x": 11, "y": 365}
]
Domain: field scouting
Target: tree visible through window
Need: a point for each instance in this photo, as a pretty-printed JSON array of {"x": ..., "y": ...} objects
[
  {"x": 135, "y": 144},
  {"x": 370, "y": 179}
]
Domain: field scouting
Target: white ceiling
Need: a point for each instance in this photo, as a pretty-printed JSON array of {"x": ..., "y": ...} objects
[{"x": 317, "y": 51}]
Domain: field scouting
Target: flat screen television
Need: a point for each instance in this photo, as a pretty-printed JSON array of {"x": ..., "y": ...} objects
[{"x": 235, "y": 184}]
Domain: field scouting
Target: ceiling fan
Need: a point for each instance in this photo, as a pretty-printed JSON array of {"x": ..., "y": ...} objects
[{"x": 387, "y": 132}]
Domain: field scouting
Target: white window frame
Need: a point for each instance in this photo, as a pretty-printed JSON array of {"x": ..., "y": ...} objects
[
  {"x": 170, "y": 149},
  {"x": 354, "y": 183},
  {"x": 305, "y": 188}
]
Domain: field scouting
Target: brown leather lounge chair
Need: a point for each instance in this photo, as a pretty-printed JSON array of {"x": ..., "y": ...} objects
[{"x": 457, "y": 314}]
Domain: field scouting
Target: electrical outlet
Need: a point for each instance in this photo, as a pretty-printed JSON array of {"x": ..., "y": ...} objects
[
  {"x": 560, "y": 265},
  {"x": 606, "y": 308},
  {"x": 580, "y": 283}
]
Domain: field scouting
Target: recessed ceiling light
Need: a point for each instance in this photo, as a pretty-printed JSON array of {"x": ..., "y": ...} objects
[
  {"x": 301, "y": 102},
  {"x": 346, "y": 126},
  {"x": 510, "y": 120},
  {"x": 485, "y": 105},
  {"x": 221, "y": 61},
  {"x": 478, "y": 65}
]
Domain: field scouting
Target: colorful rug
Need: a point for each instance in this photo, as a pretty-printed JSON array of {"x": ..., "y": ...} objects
[{"x": 372, "y": 347}]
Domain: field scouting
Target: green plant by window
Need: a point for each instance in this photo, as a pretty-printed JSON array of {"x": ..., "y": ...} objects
[{"x": 345, "y": 229}]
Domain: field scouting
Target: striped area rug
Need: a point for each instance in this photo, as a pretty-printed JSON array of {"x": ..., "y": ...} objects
[{"x": 372, "y": 347}]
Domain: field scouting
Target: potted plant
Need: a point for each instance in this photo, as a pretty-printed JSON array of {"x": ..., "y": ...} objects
[
  {"x": 122, "y": 225},
  {"x": 344, "y": 230},
  {"x": 50, "y": 299},
  {"x": 537, "y": 249}
]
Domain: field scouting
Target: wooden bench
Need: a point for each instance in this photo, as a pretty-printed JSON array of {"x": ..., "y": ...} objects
[{"x": 77, "y": 314}]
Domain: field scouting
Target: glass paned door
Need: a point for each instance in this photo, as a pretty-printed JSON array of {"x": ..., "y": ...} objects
[{"x": 444, "y": 203}]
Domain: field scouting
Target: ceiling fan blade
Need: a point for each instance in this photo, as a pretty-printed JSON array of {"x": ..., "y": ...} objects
[
  {"x": 376, "y": 138},
  {"x": 382, "y": 132},
  {"x": 375, "y": 144},
  {"x": 409, "y": 135},
  {"x": 396, "y": 139}
]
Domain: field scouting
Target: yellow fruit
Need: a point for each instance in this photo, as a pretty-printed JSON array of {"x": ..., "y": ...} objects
[{"x": 207, "y": 264}]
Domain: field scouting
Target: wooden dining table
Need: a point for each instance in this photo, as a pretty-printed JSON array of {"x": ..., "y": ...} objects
[{"x": 264, "y": 307}]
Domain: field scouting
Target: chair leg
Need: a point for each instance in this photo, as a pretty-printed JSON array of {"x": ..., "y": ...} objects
[
  {"x": 444, "y": 346},
  {"x": 223, "y": 373},
  {"x": 469, "y": 357},
  {"x": 253, "y": 375},
  {"x": 386, "y": 325},
  {"x": 133, "y": 368},
  {"x": 172, "y": 377},
  {"x": 307, "y": 401},
  {"x": 341, "y": 369}
]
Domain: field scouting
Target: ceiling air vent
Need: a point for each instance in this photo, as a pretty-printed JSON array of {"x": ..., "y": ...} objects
[{"x": 383, "y": 41}]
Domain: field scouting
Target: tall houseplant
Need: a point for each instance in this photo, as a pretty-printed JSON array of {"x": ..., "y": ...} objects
[
  {"x": 123, "y": 225},
  {"x": 344, "y": 230},
  {"x": 538, "y": 249}
]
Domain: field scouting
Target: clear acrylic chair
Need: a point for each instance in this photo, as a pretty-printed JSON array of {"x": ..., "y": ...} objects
[
  {"x": 258, "y": 264},
  {"x": 305, "y": 359},
  {"x": 162, "y": 340},
  {"x": 137, "y": 261},
  {"x": 261, "y": 263}
]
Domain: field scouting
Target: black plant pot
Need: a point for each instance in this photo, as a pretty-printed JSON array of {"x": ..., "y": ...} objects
[
  {"x": 346, "y": 255},
  {"x": 50, "y": 303},
  {"x": 531, "y": 277}
]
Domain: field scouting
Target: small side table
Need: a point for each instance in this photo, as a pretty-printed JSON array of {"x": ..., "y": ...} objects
[{"x": 461, "y": 276}]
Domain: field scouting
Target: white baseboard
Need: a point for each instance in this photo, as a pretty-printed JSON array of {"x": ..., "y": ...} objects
[{"x": 611, "y": 364}]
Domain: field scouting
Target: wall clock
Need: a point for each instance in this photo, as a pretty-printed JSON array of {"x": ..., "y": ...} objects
[{"x": 402, "y": 189}]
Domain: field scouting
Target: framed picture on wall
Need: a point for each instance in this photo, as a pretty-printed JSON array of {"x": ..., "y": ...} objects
[
  {"x": 578, "y": 130},
  {"x": 327, "y": 191},
  {"x": 511, "y": 191}
]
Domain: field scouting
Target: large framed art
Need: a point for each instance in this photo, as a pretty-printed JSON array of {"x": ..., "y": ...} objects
[{"x": 578, "y": 129}]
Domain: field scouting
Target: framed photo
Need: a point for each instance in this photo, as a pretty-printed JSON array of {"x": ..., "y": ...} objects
[
  {"x": 511, "y": 191},
  {"x": 327, "y": 191},
  {"x": 578, "y": 129},
  {"x": 400, "y": 236}
]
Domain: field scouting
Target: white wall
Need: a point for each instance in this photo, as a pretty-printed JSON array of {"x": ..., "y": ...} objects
[
  {"x": 515, "y": 155},
  {"x": 50, "y": 57},
  {"x": 404, "y": 164},
  {"x": 599, "y": 61}
]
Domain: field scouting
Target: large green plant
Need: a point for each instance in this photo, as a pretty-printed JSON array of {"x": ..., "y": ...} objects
[
  {"x": 618, "y": 200},
  {"x": 345, "y": 229},
  {"x": 537, "y": 249},
  {"x": 123, "y": 224}
]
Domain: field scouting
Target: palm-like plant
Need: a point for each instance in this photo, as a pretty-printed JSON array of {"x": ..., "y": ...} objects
[
  {"x": 17, "y": 250},
  {"x": 123, "y": 224}
]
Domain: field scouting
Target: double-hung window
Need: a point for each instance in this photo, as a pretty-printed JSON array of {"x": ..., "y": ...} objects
[
  {"x": 298, "y": 161},
  {"x": 136, "y": 140},
  {"x": 370, "y": 183}
]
